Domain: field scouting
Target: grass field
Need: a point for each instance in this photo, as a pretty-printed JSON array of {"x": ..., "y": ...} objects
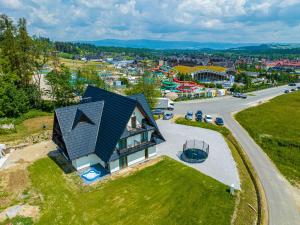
[
  {"x": 28, "y": 124},
  {"x": 275, "y": 126},
  {"x": 165, "y": 193},
  {"x": 247, "y": 196},
  {"x": 75, "y": 64},
  {"x": 189, "y": 69}
]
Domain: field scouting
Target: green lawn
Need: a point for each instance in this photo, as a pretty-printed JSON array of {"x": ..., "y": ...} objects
[
  {"x": 247, "y": 196},
  {"x": 275, "y": 126},
  {"x": 165, "y": 193},
  {"x": 28, "y": 124}
]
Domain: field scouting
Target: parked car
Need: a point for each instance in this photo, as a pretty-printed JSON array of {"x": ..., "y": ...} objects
[
  {"x": 189, "y": 115},
  {"x": 236, "y": 94},
  {"x": 244, "y": 96},
  {"x": 198, "y": 115},
  {"x": 158, "y": 112},
  {"x": 219, "y": 121},
  {"x": 292, "y": 84},
  {"x": 286, "y": 91},
  {"x": 208, "y": 119},
  {"x": 168, "y": 116},
  {"x": 239, "y": 95}
]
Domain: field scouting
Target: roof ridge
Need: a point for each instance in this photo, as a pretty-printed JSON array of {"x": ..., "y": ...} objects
[
  {"x": 77, "y": 105},
  {"x": 112, "y": 93},
  {"x": 98, "y": 130}
]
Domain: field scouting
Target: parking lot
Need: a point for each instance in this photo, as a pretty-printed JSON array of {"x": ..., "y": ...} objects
[{"x": 219, "y": 164}]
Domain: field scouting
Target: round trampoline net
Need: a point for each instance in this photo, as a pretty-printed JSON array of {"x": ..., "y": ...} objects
[{"x": 195, "y": 151}]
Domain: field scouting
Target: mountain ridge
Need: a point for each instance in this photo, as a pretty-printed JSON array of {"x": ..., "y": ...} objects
[{"x": 167, "y": 45}]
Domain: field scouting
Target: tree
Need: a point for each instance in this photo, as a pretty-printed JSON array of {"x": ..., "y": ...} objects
[
  {"x": 148, "y": 88},
  {"x": 41, "y": 53},
  {"x": 16, "y": 68},
  {"x": 235, "y": 88},
  {"x": 25, "y": 69},
  {"x": 87, "y": 75},
  {"x": 13, "y": 101},
  {"x": 219, "y": 86},
  {"x": 62, "y": 89},
  {"x": 124, "y": 81},
  {"x": 184, "y": 76}
]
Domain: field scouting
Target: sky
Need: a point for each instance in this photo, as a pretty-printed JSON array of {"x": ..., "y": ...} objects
[{"x": 236, "y": 21}]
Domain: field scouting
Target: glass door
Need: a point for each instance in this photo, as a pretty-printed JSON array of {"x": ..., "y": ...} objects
[
  {"x": 144, "y": 136},
  {"x": 146, "y": 153},
  {"x": 123, "y": 162}
]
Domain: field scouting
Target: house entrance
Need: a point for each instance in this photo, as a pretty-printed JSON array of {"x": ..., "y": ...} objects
[{"x": 123, "y": 162}]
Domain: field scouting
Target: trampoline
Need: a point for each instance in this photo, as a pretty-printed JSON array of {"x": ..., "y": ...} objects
[{"x": 195, "y": 151}]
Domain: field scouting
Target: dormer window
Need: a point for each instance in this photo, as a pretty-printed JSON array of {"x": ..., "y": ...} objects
[{"x": 81, "y": 117}]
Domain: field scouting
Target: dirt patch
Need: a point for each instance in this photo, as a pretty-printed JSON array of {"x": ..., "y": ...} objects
[
  {"x": 14, "y": 179},
  {"x": 37, "y": 124},
  {"x": 20, "y": 210},
  {"x": 29, "y": 154},
  {"x": 29, "y": 211},
  {"x": 13, "y": 183}
]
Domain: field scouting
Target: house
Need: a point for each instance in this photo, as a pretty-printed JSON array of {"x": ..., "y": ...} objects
[{"x": 112, "y": 130}]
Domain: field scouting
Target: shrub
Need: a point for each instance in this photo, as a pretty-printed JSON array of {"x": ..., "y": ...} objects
[
  {"x": 47, "y": 105},
  {"x": 13, "y": 102}
]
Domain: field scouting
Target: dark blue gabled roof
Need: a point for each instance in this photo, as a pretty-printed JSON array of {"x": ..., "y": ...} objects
[
  {"x": 116, "y": 114},
  {"x": 79, "y": 125},
  {"x": 96, "y": 126}
]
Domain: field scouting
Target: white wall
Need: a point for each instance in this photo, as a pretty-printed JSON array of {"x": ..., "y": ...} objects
[
  {"x": 114, "y": 166},
  {"x": 152, "y": 151},
  {"x": 87, "y": 161},
  {"x": 136, "y": 157},
  {"x": 139, "y": 117}
]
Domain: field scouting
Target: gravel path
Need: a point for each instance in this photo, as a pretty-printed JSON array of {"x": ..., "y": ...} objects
[{"x": 29, "y": 154}]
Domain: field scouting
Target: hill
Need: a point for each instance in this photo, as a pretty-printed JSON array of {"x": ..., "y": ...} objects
[{"x": 165, "y": 45}]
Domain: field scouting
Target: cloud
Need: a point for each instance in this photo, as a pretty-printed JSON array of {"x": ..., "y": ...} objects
[
  {"x": 197, "y": 20},
  {"x": 10, "y": 4}
]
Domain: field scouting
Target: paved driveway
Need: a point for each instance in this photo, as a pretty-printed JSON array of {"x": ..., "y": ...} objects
[
  {"x": 282, "y": 198},
  {"x": 219, "y": 164}
]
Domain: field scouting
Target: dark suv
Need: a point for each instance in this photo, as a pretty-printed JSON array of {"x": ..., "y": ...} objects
[{"x": 198, "y": 115}]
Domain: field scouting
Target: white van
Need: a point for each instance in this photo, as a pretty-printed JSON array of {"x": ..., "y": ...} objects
[{"x": 165, "y": 103}]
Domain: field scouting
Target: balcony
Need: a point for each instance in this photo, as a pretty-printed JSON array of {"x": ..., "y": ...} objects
[
  {"x": 136, "y": 147},
  {"x": 139, "y": 129}
]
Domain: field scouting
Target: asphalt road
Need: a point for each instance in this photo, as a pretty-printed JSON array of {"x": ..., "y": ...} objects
[{"x": 280, "y": 194}]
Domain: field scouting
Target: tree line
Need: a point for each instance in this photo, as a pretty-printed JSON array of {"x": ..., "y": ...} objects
[{"x": 22, "y": 61}]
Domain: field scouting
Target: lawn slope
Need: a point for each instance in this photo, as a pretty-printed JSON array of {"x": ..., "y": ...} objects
[
  {"x": 165, "y": 193},
  {"x": 30, "y": 123},
  {"x": 275, "y": 126}
]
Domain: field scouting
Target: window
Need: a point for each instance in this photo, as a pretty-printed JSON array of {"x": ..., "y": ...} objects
[
  {"x": 122, "y": 143},
  {"x": 133, "y": 122},
  {"x": 144, "y": 136}
]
